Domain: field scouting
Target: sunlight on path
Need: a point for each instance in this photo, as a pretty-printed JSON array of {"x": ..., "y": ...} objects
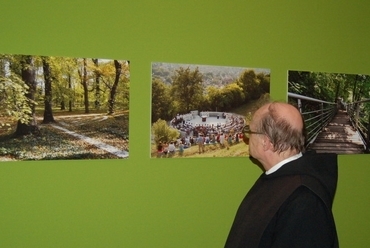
[{"x": 101, "y": 145}]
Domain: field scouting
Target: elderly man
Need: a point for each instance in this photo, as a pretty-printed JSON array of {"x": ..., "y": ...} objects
[{"x": 290, "y": 203}]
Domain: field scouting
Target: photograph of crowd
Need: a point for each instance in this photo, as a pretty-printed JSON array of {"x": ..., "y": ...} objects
[{"x": 201, "y": 110}]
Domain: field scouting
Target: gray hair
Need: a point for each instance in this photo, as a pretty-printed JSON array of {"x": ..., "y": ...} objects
[{"x": 280, "y": 132}]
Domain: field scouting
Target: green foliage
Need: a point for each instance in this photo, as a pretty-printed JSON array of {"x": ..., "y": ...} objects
[
  {"x": 329, "y": 86},
  {"x": 13, "y": 100},
  {"x": 226, "y": 98},
  {"x": 5, "y": 127},
  {"x": 164, "y": 133},
  {"x": 254, "y": 85},
  {"x": 214, "y": 96},
  {"x": 178, "y": 88},
  {"x": 65, "y": 76},
  {"x": 161, "y": 101},
  {"x": 187, "y": 89},
  {"x": 234, "y": 94}
]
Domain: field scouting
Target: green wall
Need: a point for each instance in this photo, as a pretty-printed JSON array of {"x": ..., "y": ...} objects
[{"x": 141, "y": 202}]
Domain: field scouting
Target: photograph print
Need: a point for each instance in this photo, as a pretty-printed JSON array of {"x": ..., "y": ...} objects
[
  {"x": 335, "y": 108},
  {"x": 202, "y": 110},
  {"x": 55, "y": 108}
]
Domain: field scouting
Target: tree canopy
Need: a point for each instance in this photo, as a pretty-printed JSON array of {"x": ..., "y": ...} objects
[
  {"x": 181, "y": 89},
  {"x": 45, "y": 83}
]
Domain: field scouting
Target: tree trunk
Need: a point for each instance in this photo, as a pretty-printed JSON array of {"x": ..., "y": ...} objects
[
  {"x": 62, "y": 105},
  {"x": 48, "y": 112},
  {"x": 113, "y": 91},
  {"x": 84, "y": 84},
  {"x": 28, "y": 76},
  {"x": 354, "y": 90},
  {"x": 97, "y": 85},
  {"x": 70, "y": 96}
]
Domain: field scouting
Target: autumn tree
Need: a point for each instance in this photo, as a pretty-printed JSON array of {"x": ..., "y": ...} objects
[
  {"x": 14, "y": 104},
  {"x": 28, "y": 74},
  {"x": 70, "y": 75},
  {"x": 84, "y": 83},
  {"x": 113, "y": 88},
  {"x": 48, "y": 78},
  {"x": 114, "y": 83},
  {"x": 97, "y": 73}
]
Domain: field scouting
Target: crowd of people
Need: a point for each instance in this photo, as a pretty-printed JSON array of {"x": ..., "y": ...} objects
[
  {"x": 222, "y": 133},
  {"x": 188, "y": 127},
  {"x": 169, "y": 149},
  {"x": 202, "y": 140}
]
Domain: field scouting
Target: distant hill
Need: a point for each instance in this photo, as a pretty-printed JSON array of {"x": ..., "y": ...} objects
[{"x": 212, "y": 75}]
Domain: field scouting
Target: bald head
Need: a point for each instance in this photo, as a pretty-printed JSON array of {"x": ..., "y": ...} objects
[
  {"x": 283, "y": 125},
  {"x": 287, "y": 112}
]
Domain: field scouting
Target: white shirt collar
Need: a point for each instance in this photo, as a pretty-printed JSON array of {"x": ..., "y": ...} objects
[{"x": 281, "y": 163}]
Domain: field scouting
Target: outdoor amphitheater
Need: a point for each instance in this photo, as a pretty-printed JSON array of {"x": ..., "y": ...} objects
[{"x": 207, "y": 122}]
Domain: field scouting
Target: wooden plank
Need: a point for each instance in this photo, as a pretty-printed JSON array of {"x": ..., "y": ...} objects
[{"x": 339, "y": 136}]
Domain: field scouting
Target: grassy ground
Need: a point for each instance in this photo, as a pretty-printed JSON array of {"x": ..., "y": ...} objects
[
  {"x": 236, "y": 150},
  {"x": 54, "y": 144}
]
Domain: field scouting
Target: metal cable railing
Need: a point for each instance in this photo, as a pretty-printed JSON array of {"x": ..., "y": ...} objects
[
  {"x": 360, "y": 120},
  {"x": 316, "y": 114}
]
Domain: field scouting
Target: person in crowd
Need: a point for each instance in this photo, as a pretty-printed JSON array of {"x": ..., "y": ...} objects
[
  {"x": 181, "y": 148},
  {"x": 222, "y": 140},
  {"x": 237, "y": 138},
  {"x": 206, "y": 140},
  {"x": 200, "y": 142},
  {"x": 212, "y": 139},
  {"x": 229, "y": 139},
  {"x": 159, "y": 149},
  {"x": 187, "y": 141},
  {"x": 165, "y": 149},
  {"x": 171, "y": 149},
  {"x": 192, "y": 140},
  {"x": 290, "y": 204}
]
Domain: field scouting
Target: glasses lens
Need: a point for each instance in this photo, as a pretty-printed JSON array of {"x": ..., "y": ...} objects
[
  {"x": 246, "y": 138},
  {"x": 246, "y": 129},
  {"x": 246, "y": 135}
]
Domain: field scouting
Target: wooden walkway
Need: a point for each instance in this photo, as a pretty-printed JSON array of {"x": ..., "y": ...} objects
[{"x": 339, "y": 136}]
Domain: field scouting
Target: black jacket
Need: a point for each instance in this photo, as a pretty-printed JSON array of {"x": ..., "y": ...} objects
[{"x": 290, "y": 207}]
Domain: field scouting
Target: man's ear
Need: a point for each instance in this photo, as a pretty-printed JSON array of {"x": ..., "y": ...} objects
[{"x": 266, "y": 143}]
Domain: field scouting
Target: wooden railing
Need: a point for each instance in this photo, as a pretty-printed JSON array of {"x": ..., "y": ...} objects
[{"x": 316, "y": 114}]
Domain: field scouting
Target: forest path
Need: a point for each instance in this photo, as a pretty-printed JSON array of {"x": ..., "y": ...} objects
[
  {"x": 99, "y": 144},
  {"x": 67, "y": 123}
]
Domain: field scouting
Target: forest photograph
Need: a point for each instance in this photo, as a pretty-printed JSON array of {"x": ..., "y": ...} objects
[
  {"x": 335, "y": 108},
  {"x": 56, "y": 108},
  {"x": 202, "y": 110}
]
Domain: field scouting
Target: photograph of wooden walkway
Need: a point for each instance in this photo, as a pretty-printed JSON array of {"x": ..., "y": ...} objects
[{"x": 339, "y": 136}]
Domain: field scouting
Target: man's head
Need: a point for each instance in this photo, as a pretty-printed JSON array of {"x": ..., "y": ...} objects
[{"x": 281, "y": 133}]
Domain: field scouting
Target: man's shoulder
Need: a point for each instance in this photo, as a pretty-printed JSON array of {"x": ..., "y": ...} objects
[
  {"x": 325, "y": 164},
  {"x": 304, "y": 197}
]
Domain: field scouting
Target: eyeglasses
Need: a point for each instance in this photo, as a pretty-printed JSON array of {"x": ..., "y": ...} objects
[{"x": 247, "y": 133}]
